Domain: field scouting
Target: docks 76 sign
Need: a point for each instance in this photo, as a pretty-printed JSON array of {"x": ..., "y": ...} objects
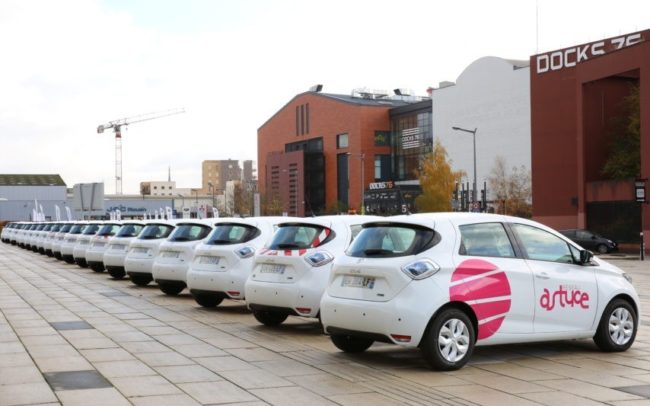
[{"x": 570, "y": 57}]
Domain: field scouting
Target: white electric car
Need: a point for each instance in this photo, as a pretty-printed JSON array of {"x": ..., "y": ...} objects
[
  {"x": 223, "y": 262},
  {"x": 49, "y": 238},
  {"x": 118, "y": 247},
  {"x": 98, "y": 243},
  {"x": 83, "y": 242},
  {"x": 59, "y": 238},
  {"x": 39, "y": 238},
  {"x": 68, "y": 244},
  {"x": 138, "y": 262},
  {"x": 176, "y": 253},
  {"x": 291, "y": 272},
  {"x": 446, "y": 282}
]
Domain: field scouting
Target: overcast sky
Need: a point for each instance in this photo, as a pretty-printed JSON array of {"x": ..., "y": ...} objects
[{"x": 67, "y": 66}]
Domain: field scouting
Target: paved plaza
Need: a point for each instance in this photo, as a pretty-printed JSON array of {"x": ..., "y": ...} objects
[{"x": 75, "y": 337}]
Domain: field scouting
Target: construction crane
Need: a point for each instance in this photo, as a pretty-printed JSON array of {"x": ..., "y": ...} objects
[{"x": 117, "y": 125}]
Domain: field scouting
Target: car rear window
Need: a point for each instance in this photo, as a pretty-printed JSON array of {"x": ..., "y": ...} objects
[
  {"x": 155, "y": 231},
  {"x": 300, "y": 236},
  {"x": 130, "y": 230},
  {"x": 91, "y": 229},
  {"x": 108, "y": 230},
  {"x": 190, "y": 232},
  {"x": 392, "y": 240},
  {"x": 77, "y": 228},
  {"x": 65, "y": 228},
  {"x": 232, "y": 233}
]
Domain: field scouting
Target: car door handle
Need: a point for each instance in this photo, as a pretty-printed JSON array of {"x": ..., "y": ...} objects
[{"x": 542, "y": 275}]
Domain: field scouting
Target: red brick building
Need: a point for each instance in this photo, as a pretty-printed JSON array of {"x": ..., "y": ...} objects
[
  {"x": 576, "y": 92},
  {"x": 311, "y": 152}
]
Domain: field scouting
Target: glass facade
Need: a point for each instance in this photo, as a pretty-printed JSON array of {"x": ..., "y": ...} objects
[{"x": 411, "y": 139}]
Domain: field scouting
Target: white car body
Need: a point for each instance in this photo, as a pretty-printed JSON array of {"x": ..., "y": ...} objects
[
  {"x": 283, "y": 281},
  {"x": 68, "y": 244},
  {"x": 83, "y": 243},
  {"x": 117, "y": 247},
  {"x": 220, "y": 268},
  {"x": 49, "y": 237},
  {"x": 39, "y": 238},
  {"x": 98, "y": 243},
  {"x": 170, "y": 266},
  {"x": 32, "y": 235},
  {"x": 142, "y": 250},
  {"x": 58, "y": 239},
  {"x": 517, "y": 280}
]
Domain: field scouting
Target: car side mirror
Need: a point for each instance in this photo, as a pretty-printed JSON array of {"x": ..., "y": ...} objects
[{"x": 585, "y": 257}]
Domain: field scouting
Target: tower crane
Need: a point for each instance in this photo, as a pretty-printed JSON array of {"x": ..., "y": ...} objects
[{"x": 117, "y": 125}]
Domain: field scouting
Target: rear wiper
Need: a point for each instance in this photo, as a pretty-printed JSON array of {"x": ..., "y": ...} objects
[
  {"x": 288, "y": 245},
  {"x": 377, "y": 251}
]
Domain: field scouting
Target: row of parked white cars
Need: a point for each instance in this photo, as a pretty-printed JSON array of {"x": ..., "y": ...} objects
[{"x": 442, "y": 282}]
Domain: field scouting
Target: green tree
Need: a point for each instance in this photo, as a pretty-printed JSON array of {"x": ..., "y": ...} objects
[
  {"x": 437, "y": 181},
  {"x": 624, "y": 159}
]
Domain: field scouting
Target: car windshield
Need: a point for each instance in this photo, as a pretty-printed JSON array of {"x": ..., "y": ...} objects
[
  {"x": 130, "y": 230},
  {"x": 55, "y": 227},
  {"x": 155, "y": 231},
  {"x": 300, "y": 236},
  {"x": 91, "y": 229},
  {"x": 190, "y": 232},
  {"x": 77, "y": 228},
  {"x": 65, "y": 228},
  {"x": 108, "y": 230},
  {"x": 392, "y": 240},
  {"x": 225, "y": 234}
]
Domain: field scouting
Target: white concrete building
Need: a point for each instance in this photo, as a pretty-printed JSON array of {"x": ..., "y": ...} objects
[
  {"x": 492, "y": 95},
  {"x": 160, "y": 188}
]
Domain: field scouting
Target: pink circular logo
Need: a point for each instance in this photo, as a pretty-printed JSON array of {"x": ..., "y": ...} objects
[{"x": 485, "y": 288}]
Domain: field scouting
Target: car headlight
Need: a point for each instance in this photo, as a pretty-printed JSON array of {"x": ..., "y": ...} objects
[
  {"x": 627, "y": 277},
  {"x": 319, "y": 258},
  {"x": 245, "y": 252},
  {"x": 420, "y": 269}
]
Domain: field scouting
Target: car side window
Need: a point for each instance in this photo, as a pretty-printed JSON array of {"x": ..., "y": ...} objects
[
  {"x": 582, "y": 234},
  {"x": 541, "y": 245},
  {"x": 485, "y": 240}
]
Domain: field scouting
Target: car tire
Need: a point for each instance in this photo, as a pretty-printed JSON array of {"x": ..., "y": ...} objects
[
  {"x": 171, "y": 288},
  {"x": 208, "y": 300},
  {"x": 97, "y": 268},
  {"x": 617, "y": 328},
  {"x": 117, "y": 273},
  {"x": 347, "y": 343},
  {"x": 141, "y": 280},
  {"x": 270, "y": 318},
  {"x": 602, "y": 249},
  {"x": 449, "y": 340}
]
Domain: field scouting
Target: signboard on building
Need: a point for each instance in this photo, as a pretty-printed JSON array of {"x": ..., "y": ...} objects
[
  {"x": 411, "y": 138},
  {"x": 88, "y": 196}
]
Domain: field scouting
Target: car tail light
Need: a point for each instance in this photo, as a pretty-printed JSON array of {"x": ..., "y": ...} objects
[
  {"x": 319, "y": 258},
  {"x": 245, "y": 252},
  {"x": 401, "y": 338},
  {"x": 303, "y": 310},
  {"x": 233, "y": 293},
  {"x": 420, "y": 269}
]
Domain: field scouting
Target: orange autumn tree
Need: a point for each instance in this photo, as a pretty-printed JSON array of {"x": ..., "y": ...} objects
[{"x": 437, "y": 181}]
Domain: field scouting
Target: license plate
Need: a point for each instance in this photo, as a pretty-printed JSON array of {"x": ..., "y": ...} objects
[
  {"x": 272, "y": 268},
  {"x": 358, "y": 282},
  {"x": 170, "y": 254},
  {"x": 83, "y": 242},
  {"x": 140, "y": 250},
  {"x": 204, "y": 259},
  {"x": 72, "y": 239},
  {"x": 99, "y": 244},
  {"x": 118, "y": 247}
]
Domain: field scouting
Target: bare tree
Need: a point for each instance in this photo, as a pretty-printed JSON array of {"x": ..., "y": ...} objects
[{"x": 512, "y": 190}]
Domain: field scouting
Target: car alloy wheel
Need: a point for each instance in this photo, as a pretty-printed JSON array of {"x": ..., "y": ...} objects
[
  {"x": 453, "y": 340},
  {"x": 449, "y": 340},
  {"x": 621, "y": 326},
  {"x": 617, "y": 327}
]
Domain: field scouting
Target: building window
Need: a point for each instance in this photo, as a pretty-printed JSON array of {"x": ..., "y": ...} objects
[
  {"x": 342, "y": 141},
  {"x": 155, "y": 187},
  {"x": 382, "y": 167},
  {"x": 382, "y": 138}
]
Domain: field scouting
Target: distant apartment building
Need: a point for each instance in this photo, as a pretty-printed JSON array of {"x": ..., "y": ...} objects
[
  {"x": 219, "y": 172},
  {"x": 165, "y": 188}
]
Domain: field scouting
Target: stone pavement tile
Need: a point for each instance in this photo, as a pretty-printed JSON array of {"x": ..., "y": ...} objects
[
  {"x": 291, "y": 396},
  {"x": 178, "y": 339},
  {"x": 144, "y": 386},
  {"x": 125, "y": 336},
  {"x": 187, "y": 373},
  {"x": 365, "y": 399},
  {"x": 26, "y": 393},
  {"x": 226, "y": 341},
  {"x": 117, "y": 369},
  {"x": 519, "y": 372},
  {"x": 148, "y": 322},
  {"x": 159, "y": 330},
  {"x": 198, "y": 350},
  {"x": 58, "y": 364},
  {"x": 52, "y": 350},
  {"x": 255, "y": 379},
  {"x": 12, "y": 347},
  {"x": 327, "y": 385},
  {"x": 505, "y": 383},
  {"x": 78, "y": 334},
  {"x": 35, "y": 331},
  {"x": 106, "y": 354},
  {"x": 588, "y": 390},
  {"x": 429, "y": 378},
  {"x": 227, "y": 363},
  {"x": 255, "y": 354},
  {"x": 15, "y": 359},
  {"x": 286, "y": 367},
  {"x": 216, "y": 392},
  {"x": 484, "y": 396},
  {"x": 93, "y": 343},
  {"x": 43, "y": 340},
  {"x": 139, "y": 347},
  {"x": 559, "y": 399},
  {"x": 29, "y": 323},
  {"x": 166, "y": 400},
  {"x": 95, "y": 397},
  {"x": 644, "y": 402},
  {"x": 166, "y": 358},
  {"x": 8, "y": 336},
  {"x": 16, "y": 375}
]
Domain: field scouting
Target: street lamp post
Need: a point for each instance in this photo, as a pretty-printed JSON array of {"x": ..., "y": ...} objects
[
  {"x": 473, "y": 132},
  {"x": 211, "y": 186}
]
